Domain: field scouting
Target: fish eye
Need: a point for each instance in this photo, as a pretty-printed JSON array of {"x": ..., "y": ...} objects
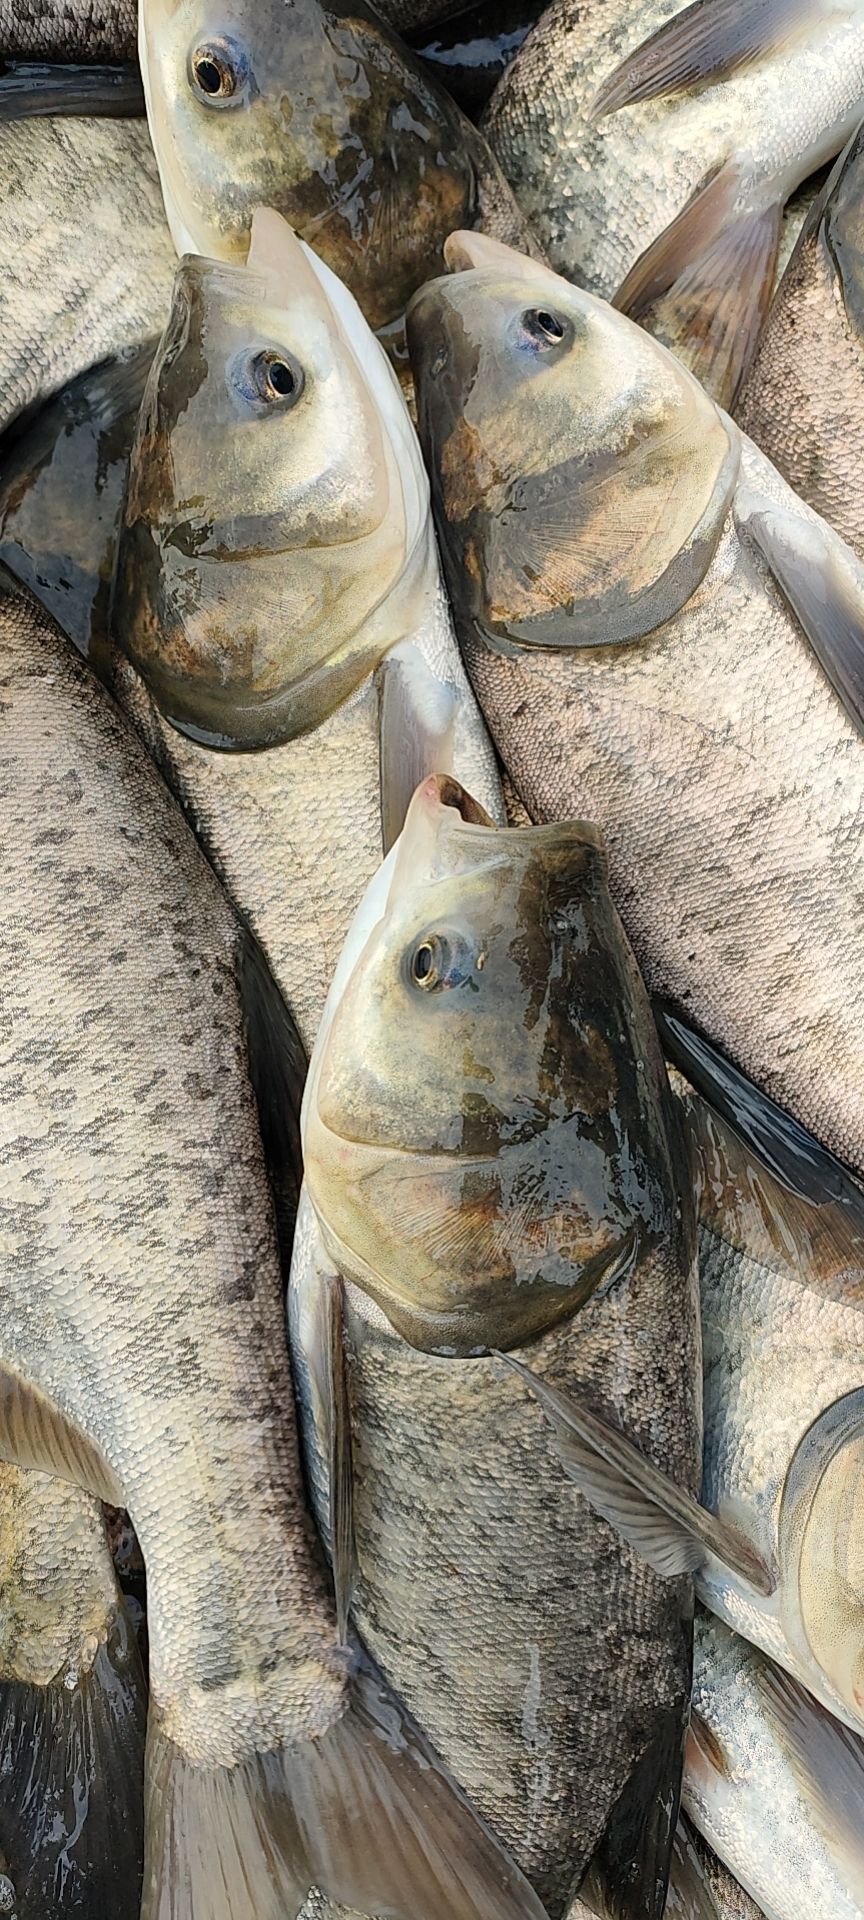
[
  {"x": 218, "y": 71},
  {"x": 543, "y": 327},
  {"x": 270, "y": 378},
  {"x": 440, "y": 960}
]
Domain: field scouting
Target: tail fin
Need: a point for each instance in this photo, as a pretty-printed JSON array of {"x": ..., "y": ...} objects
[
  {"x": 365, "y": 1812},
  {"x": 71, "y": 1798}
]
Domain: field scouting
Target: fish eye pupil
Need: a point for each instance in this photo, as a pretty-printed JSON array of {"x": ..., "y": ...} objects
[
  {"x": 274, "y": 377},
  {"x": 548, "y": 324},
  {"x": 281, "y": 378},
  {"x": 212, "y": 76},
  {"x": 423, "y": 962}
]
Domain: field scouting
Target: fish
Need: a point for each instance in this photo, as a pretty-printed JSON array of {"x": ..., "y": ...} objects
[
  {"x": 281, "y": 635},
  {"x": 64, "y": 466},
  {"x": 773, "y": 1782},
  {"x": 803, "y": 399},
  {"x": 322, "y": 114},
  {"x": 491, "y": 1160},
  {"x": 87, "y": 262},
  {"x": 68, "y": 30},
  {"x": 150, "y": 1081},
  {"x": 653, "y": 149},
  {"x": 72, "y": 1709},
  {"x": 664, "y": 638}
]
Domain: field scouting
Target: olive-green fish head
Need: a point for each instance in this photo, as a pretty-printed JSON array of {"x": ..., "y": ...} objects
[
  {"x": 580, "y": 476},
  {"x": 822, "y": 1553},
  {"x": 276, "y": 537},
  {"x": 318, "y": 112},
  {"x": 486, "y": 1119}
]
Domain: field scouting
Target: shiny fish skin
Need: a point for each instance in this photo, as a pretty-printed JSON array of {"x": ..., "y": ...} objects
[
  {"x": 72, "y": 1708},
  {"x": 86, "y": 255},
  {"x": 803, "y": 399},
  {"x": 59, "y": 30},
  {"x": 713, "y": 753}
]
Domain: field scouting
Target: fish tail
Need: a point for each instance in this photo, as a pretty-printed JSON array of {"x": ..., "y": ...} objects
[
  {"x": 364, "y": 1812},
  {"x": 71, "y": 1773}
]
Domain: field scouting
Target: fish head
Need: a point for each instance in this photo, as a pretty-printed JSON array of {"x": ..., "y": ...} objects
[
  {"x": 485, "y": 1124},
  {"x": 839, "y": 216},
  {"x": 276, "y": 538},
  {"x": 315, "y": 111},
  {"x": 580, "y": 476},
  {"x": 822, "y": 1554}
]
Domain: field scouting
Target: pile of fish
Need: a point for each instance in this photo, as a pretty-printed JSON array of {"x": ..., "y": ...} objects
[{"x": 431, "y": 959}]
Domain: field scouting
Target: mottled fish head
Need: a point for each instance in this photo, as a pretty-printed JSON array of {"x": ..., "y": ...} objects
[
  {"x": 276, "y": 538},
  {"x": 486, "y": 1127},
  {"x": 580, "y": 476},
  {"x": 318, "y": 112},
  {"x": 822, "y": 1553}
]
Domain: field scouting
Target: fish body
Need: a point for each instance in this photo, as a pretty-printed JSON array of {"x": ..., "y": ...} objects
[
  {"x": 72, "y": 1707},
  {"x": 87, "y": 261},
  {"x": 143, "y": 1351},
  {"x": 660, "y": 682},
  {"x": 321, "y": 113},
  {"x": 803, "y": 400},
  {"x": 454, "y": 1185},
  {"x": 772, "y": 1782},
  {"x": 338, "y": 570},
  {"x": 85, "y": 30},
  {"x": 600, "y": 192}
]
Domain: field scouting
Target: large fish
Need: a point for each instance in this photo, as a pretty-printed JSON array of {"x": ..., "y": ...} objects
[
  {"x": 86, "y": 255},
  {"x": 277, "y": 551},
  {"x": 142, "y": 1343},
  {"x": 613, "y": 548},
  {"x": 320, "y": 112},
  {"x": 774, "y": 1783},
  {"x": 72, "y": 1709},
  {"x": 803, "y": 400},
  {"x": 653, "y": 147},
  {"x": 489, "y": 1147}
]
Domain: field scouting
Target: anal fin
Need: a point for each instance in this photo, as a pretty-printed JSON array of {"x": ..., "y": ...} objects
[
  {"x": 824, "y": 585},
  {"x": 708, "y": 279},
  {"x": 33, "y": 1433}
]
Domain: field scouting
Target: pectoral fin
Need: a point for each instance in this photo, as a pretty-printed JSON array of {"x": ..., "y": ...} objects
[
  {"x": 824, "y": 585},
  {"x": 707, "y": 41},
  {"x": 33, "y": 1433},
  {"x": 660, "y": 1520},
  {"x": 417, "y": 718},
  {"x": 713, "y": 270},
  {"x": 629, "y": 1874}
]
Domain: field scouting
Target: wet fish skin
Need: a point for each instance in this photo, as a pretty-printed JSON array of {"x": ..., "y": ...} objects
[
  {"x": 322, "y": 114},
  {"x": 476, "y": 1543},
  {"x": 599, "y": 193},
  {"x": 72, "y": 1708},
  {"x": 759, "y": 1786},
  {"x": 87, "y": 261},
  {"x": 294, "y": 829},
  {"x": 714, "y": 754},
  {"x": 803, "y": 400},
  {"x": 89, "y": 30}
]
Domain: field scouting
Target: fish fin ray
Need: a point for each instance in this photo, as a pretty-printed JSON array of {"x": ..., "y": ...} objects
[
  {"x": 818, "y": 577},
  {"x": 340, "y": 1477},
  {"x": 709, "y": 40},
  {"x": 277, "y": 1070},
  {"x": 695, "y": 1900},
  {"x": 33, "y": 1433},
  {"x": 714, "y": 271},
  {"x": 363, "y": 1811},
  {"x": 660, "y": 1520},
  {"x": 417, "y": 715},
  {"x": 72, "y": 1762},
  {"x": 628, "y": 1876}
]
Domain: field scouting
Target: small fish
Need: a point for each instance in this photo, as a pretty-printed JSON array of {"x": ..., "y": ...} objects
[
  {"x": 321, "y": 113},
  {"x": 664, "y": 638},
  {"x": 492, "y": 1159},
  {"x": 803, "y": 400},
  {"x": 773, "y": 1783},
  {"x": 86, "y": 256},
  {"x": 295, "y": 671},
  {"x": 653, "y": 147},
  {"x": 64, "y": 465},
  {"x": 142, "y": 1341},
  {"x": 72, "y": 1709}
]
